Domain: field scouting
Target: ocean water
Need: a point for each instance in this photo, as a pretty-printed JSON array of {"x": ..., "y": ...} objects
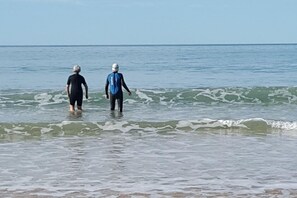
[{"x": 202, "y": 121}]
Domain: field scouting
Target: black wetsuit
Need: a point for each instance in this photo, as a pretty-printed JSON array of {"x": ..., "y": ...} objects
[{"x": 76, "y": 93}]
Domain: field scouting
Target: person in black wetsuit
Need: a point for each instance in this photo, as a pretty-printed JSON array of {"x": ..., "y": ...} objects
[
  {"x": 116, "y": 81},
  {"x": 74, "y": 89}
]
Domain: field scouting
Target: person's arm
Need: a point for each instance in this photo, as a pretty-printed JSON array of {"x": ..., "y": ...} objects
[
  {"x": 86, "y": 86},
  {"x": 67, "y": 87},
  {"x": 68, "y": 91},
  {"x": 87, "y": 93},
  {"x": 125, "y": 86},
  {"x": 106, "y": 88}
]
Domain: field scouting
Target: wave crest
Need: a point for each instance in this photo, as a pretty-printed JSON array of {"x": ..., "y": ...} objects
[
  {"x": 250, "y": 126},
  {"x": 163, "y": 97}
]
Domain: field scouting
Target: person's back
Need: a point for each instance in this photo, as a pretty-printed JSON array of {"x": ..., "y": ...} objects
[
  {"x": 75, "y": 93},
  {"x": 116, "y": 81},
  {"x": 76, "y": 80}
]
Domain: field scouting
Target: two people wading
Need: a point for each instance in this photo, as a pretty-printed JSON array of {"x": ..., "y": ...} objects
[{"x": 113, "y": 88}]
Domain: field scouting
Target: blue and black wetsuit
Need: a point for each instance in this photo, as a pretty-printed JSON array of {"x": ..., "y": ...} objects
[
  {"x": 116, "y": 81},
  {"x": 76, "y": 93}
]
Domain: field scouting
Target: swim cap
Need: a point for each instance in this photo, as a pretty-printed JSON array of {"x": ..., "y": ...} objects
[
  {"x": 76, "y": 68},
  {"x": 115, "y": 67}
]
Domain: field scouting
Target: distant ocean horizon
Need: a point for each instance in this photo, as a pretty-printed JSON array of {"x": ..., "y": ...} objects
[
  {"x": 203, "y": 120},
  {"x": 143, "y": 44}
]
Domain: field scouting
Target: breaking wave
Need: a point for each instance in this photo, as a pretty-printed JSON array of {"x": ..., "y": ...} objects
[
  {"x": 233, "y": 95},
  {"x": 79, "y": 128}
]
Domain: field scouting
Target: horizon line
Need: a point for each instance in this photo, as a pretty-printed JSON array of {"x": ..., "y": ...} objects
[{"x": 140, "y": 45}]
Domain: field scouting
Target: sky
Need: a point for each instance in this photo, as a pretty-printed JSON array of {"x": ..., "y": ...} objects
[{"x": 138, "y": 22}]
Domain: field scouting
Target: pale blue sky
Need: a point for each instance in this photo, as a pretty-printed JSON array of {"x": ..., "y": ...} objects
[{"x": 115, "y": 22}]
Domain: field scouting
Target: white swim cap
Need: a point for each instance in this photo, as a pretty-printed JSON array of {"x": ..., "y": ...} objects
[
  {"x": 76, "y": 68},
  {"x": 115, "y": 67}
]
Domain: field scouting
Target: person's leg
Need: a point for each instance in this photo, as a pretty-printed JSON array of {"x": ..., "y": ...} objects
[
  {"x": 79, "y": 102},
  {"x": 112, "y": 99},
  {"x": 72, "y": 103},
  {"x": 120, "y": 102},
  {"x": 71, "y": 108}
]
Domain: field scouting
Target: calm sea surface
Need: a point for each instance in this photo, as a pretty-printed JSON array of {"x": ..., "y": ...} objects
[{"x": 202, "y": 121}]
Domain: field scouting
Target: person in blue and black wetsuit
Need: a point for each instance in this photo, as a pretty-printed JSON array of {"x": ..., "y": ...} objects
[
  {"x": 116, "y": 81},
  {"x": 74, "y": 89}
]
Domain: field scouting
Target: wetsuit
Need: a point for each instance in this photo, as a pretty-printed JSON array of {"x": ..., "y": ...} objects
[
  {"x": 76, "y": 93},
  {"x": 116, "y": 80}
]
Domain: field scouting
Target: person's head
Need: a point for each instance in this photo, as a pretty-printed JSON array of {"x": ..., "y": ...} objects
[
  {"x": 115, "y": 67},
  {"x": 76, "y": 68}
]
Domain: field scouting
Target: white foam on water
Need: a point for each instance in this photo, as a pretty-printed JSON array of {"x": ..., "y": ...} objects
[
  {"x": 20, "y": 103},
  {"x": 232, "y": 123},
  {"x": 16, "y": 130},
  {"x": 251, "y": 124},
  {"x": 111, "y": 126},
  {"x": 143, "y": 96},
  {"x": 60, "y": 98},
  {"x": 162, "y": 102},
  {"x": 283, "y": 125},
  {"x": 196, "y": 124},
  {"x": 283, "y": 93},
  {"x": 46, "y": 130},
  {"x": 156, "y": 91},
  {"x": 48, "y": 99},
  {"x": 206, "y": 93},
  {"x": 131, "y": 101}
]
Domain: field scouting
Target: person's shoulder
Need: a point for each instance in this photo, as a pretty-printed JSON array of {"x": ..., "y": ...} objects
[{"x": 82, "y": 79}]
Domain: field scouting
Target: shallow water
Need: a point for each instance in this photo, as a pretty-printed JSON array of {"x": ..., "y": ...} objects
[
  {"x": 202, "y": 121},
  {"x": 149, "y": 163}
]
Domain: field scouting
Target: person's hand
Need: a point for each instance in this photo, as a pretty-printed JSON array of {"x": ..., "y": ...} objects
[
  {"x": 107, "y": 96},
  {"x": 129, "y": 93},
  {"x": 87, "y": 96}
]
